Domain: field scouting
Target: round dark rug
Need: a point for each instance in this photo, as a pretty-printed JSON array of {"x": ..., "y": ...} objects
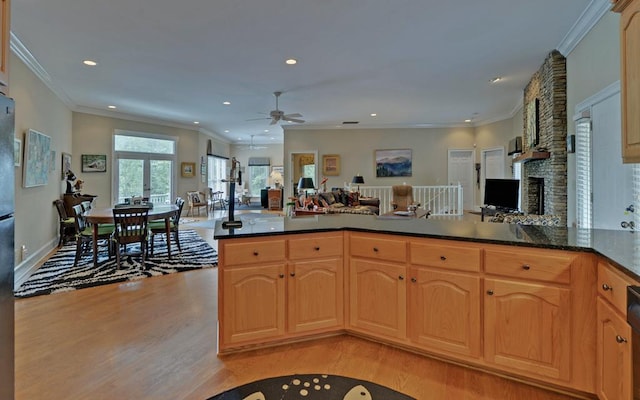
[{"x": 311, "y": 387}]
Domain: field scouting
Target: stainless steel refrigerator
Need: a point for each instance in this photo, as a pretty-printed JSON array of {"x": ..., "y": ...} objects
[{"x": 7, "y": 171}]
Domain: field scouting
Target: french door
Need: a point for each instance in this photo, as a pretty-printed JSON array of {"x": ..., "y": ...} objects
[{"x": 147, "y": 175}]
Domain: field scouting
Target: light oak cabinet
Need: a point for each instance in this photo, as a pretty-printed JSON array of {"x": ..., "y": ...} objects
[
  {"x": 629, "y": 77},
  {"x": 5, "y": 29},
  {"x": 265, "y": 295},
  {"x": 378, "y": 298},
  {"x": 614, "y": 357},
  {"x": 527, "y": 328},
  {"x": 444, "y": 312}
]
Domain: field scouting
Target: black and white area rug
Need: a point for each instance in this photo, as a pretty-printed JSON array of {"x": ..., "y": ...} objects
[
  {"x": 311, "y": 387},
  {"x": 59, "y": 275}
]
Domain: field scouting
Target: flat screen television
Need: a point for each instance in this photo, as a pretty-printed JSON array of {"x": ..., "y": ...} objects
[{"x": 501, "y": 193}]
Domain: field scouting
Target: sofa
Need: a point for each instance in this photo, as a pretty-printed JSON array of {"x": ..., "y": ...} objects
[{"x": 339, "y": 201}]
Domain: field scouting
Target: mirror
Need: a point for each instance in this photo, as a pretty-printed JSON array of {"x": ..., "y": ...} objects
[{"x": 302, "y": 164}]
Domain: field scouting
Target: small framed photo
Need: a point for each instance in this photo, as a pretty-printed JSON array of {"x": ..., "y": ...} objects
[
  {"x": 66, "y": 165},
  {"x": 188, "y": 169},
  {"x": 331, "y": 164},
  {"x": 94, "y": 163},
  {"x": 17, "y": 152}
]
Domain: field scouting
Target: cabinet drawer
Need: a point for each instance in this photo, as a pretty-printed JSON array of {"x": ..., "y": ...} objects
[
  {"x": 378, "y": 248},
  {"x": 543, "y": 265},
  {"x": 445, "y": 256},
  {"x": 612, "y": 285},
  {"x": 254, "y": 252},
  {"x": 315, "y": 247}
]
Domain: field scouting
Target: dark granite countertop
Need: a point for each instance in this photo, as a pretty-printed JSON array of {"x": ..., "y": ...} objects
[{"x": 622, "y": 248}]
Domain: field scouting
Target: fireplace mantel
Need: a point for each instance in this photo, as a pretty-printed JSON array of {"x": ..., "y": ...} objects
[{"x": 531, "y": 156}]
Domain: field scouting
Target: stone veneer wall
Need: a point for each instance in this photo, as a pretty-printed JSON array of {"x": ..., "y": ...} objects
[{"x": 549, "y": 86}]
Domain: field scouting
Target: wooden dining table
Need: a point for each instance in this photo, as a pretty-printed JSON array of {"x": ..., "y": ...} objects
[{"x": 97, "y": 216}]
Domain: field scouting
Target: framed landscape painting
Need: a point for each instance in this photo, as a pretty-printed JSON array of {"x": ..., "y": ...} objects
[
  {"x": 390, "y": 163},
  {"x": 331, "y": 164},
  {"x": 94, "y": 163},
  {"x": 37, "y": 150}
]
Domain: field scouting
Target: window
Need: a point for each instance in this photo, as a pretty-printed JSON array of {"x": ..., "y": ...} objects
[
  {"x": 144, "y": 165},
  {"x": 259, "y": 169},
  {"x": 217, "y": 173}
]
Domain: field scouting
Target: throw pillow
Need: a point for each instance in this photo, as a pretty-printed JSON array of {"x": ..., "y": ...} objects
[
  {"x": 352, "y": 200},
  {"x": 328, "y": 197}
]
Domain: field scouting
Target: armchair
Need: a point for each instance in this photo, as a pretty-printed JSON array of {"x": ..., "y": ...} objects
[
  {"x": 197, "y": 200},
  {"x": 403, "y": 197}
]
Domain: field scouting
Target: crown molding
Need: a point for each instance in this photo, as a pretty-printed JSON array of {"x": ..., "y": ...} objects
[
  {"x": 21, "y": 51},
  {"x": 587, "y": 20}
]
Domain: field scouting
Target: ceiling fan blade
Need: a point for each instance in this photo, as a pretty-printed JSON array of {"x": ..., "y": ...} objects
[
  {"x": 296, "y": 120},
  {"x": 273, "y": 121},
  {"x": 295, "y": 115},
  {"x": 257, "y": 119}
]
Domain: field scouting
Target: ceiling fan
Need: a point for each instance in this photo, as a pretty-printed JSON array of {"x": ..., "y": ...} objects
[
  {"x": 253, "y": 146},
  {"x": 279, "y": 115}
]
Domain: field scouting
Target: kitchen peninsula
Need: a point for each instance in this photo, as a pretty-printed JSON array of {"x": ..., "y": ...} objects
[{"x": 518, "y": 301}]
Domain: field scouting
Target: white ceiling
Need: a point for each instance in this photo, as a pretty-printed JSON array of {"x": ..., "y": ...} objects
[{"x": 413, "y": 62}]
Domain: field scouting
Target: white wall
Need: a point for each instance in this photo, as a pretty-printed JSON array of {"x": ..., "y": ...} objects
[
  {"x": 93, "y": 134},
  {"x": 37, "y": 108}
]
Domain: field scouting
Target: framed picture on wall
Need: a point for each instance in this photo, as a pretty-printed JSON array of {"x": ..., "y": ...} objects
[
  {"x": 188, "y": 169},
  {"x": 390, "y": 163},
  {"x": 66, "y": 165},
  {"x": 331, "y": 164},
  {"x": 37, "y": 150},
  {"x": 17, "y": 152},
  {"x": 94, "y": 163}
]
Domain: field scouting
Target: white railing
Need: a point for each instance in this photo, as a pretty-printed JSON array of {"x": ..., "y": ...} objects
[{"x": 439, "y": 200}]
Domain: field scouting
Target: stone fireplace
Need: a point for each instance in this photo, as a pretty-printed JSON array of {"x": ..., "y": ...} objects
[{"x": 544, "y": 170}]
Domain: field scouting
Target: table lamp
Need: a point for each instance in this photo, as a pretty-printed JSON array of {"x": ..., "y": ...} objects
[
  {"x": 276, "y": 178},
  {"x": 358, "y": 179},
  {"x": 304, "y": 184}
]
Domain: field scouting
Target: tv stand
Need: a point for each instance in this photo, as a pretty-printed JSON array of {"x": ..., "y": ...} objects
[{"x": 491, "y": 211}]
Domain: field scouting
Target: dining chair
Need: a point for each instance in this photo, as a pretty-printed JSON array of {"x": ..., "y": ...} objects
[
  {"x": 131, "y": 228},
  {"x": 216, "y": 199},
  {"x": 86, "y": 205},
  {"x": 84, "y": 234},
  {"x": 197, "y": 200},
  {"x": 67, "y": 223},
  {"x": 157, "y": 227}
]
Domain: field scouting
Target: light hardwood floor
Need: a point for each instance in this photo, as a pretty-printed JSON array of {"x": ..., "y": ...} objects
[{"x": 156, "y": 339}]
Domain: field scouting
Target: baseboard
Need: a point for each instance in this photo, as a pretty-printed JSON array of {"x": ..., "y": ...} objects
[{"x": 28, "y": 266}]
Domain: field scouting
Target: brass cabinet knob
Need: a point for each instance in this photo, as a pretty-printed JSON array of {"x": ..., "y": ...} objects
[
  {"x": 317, "y": 248},
  {"x": 606, "y": 287},
  {"x": 292, "y": 273},
  {"x": 375, "y": 249},
  {"x": 414, "y": 280},
  {"x": 490, "y": 292},
  {"x": 281, "y": 275},
  {"x": 620, "y": 339},
  {"x": 401, "y": 277},
  {"x": 443, "y": 258},
  {"x": 255, "y": 253},
  {"x": 526, "y": 267}
]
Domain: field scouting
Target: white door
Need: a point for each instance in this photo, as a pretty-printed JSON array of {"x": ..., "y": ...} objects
[
  {"x": 492, "y": 166},
  {"x": 612, "y": 180},
  {"x": 460, "y": 170}
]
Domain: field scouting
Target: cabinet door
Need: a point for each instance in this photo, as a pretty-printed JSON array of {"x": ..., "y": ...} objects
[
  {"x": 527, "y": 328},
  {"x": 253, "y": 306},
  {"x": 614, "y": 354},
  {"x": 630, "y": 80},
  {"x": 315, "y": 295},
  {"x": 444, "y": 311},
  {"x": 378, "y": 302}
]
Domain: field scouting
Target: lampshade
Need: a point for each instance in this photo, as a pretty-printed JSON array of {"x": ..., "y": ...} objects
[
  {"x": 358, "y": 179},
  {"x": 276, "y": 177},
  {"x": 305, "y": 183}
]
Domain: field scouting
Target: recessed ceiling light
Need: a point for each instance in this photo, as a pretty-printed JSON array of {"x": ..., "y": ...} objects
[
  {"x": 90, "y": 63},
  {"x": 467, "y": 120},
  {"x": 226, "y": 131},
  {"x": 496, "y": 79},
  {"x": 291, "y": 61},
  {"x": 226, "y": 103},
  {"x": 112, "y": 107},
  {"x": 272, "y": 138},
  {"x": 266, "y": 130},
  {"x": 196, "y": 122},
  {"x": 374, "y": 114}
]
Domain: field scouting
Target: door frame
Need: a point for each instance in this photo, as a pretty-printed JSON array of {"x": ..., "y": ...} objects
[
  {"x": 472, "y": 158},
  {"x": 146, "y": 158}
]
